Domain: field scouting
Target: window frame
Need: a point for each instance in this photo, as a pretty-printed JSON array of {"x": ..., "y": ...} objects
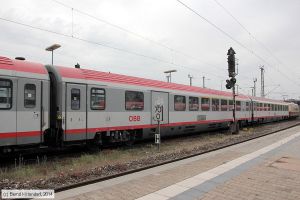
[
  {"x": 104, "y": 93},
  {"x": 11, "y": 93},
  {"x": 204, "y": 104},
  {"x": 217, "y": 108},
  {"x": 222, "y": 100},
  {"x": 191, "y": 97},
  {"x": 127, "y": 91},
  {"x": 230, "y": 106},
  {"x": 26, "y": 105},
  {"x": 76, "y": 100},
  {"x": 184, "y": 102},
  {"x": 247, "y": 105},
  {"x": 240, "y": 105}
]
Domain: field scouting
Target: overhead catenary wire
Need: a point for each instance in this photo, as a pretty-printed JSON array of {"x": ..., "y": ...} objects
[
  {"x": 103, "y": 45},
  {"x": 248, "y": 32},
  {"x": 146, "y": 56},
  {"x": 172, "y": 50},
  {"x": 236, "y": 41}
]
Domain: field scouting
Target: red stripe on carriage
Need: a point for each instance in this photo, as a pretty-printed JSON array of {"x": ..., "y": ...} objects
[
  {"x": 20, "y": 134},
  {"x": 93, "y": 130}
]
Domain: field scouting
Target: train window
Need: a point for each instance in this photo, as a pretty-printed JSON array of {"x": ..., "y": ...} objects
[
  {"x": 205, "y": 104},
  {"x": 179, "y": 103},
  {"x": 29, "y": 96},
  {"x": 97, "y": 99},
  {"x": 224, "y": 105},
  {"x": 5, "y": 94},
  {"x": 230, "y": 105},
  {"x": 272, "y": 107},
  {"x": 247, "y": 106},
  {"x": 193, "y": 103},
  {"x": 75, "y": 99},
  {"x": 215, "y": 104},
  {"x": 238, "y": 106},
  {"x": 260, "y": 107},
  {"x": 134, "y": 100}
]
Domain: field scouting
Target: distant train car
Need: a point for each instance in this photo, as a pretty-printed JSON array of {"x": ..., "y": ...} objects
[
  {"x": 55, "y": 106},
  {"x": 294, "y": 110}
]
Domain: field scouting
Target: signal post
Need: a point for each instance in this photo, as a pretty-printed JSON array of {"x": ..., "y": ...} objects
[
  {"x": 230, "y": 84},
  {"x": 158, "y": 117}
]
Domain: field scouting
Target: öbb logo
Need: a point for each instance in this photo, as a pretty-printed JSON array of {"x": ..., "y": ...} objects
[{"x": 134, "y": 118}]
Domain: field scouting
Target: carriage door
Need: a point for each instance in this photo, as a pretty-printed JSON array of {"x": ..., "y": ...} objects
[
  {"x": 75, "y": 112},
  {"x": 29, "y": 111},
  {"x": 160, "y": 98}
]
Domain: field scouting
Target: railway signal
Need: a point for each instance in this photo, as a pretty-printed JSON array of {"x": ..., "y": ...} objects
[
  {"x": 230, "y": 84},
  {"x": 231, "y": 62}
]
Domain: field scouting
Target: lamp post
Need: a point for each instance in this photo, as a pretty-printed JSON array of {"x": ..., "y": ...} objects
[
  {"x": 190, "y": 77},
  {"x": 222, "y": 85},
  {"x": 52, "y": 48},
  {"x": 203, "y": 81},
  {"x": 169, "y": 72},
  {"x": 254, "y": 87}
]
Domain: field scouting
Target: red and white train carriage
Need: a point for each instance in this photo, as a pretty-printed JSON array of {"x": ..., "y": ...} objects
[{"x": 52, "y": 105}]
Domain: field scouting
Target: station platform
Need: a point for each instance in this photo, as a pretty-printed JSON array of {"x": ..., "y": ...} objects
[{"x": 264, "y": 168}]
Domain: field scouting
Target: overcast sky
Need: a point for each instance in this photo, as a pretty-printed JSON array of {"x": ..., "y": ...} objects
[{"x": 165, "y": 35}]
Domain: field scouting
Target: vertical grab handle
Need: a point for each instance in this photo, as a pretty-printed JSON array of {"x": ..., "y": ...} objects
[{"x": 42, "y": 117}]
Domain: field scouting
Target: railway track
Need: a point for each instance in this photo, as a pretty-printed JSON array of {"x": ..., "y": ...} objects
[{"x": 100, "y": 179}]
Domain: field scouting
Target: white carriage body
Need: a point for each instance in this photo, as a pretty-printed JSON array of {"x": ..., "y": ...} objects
[{"x": 85, "y": 103}]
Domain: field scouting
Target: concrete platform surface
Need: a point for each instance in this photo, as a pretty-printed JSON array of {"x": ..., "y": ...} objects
[{"x": 265, "y": 168}]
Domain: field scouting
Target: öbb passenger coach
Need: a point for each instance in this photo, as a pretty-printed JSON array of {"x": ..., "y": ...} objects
[{"x": 44, "y": 105}]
